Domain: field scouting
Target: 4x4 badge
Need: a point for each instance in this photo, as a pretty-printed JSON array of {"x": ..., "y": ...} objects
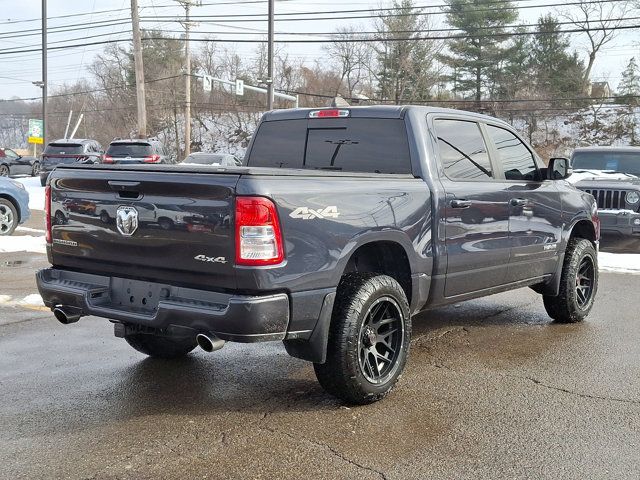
[{"x": 127, "y": 220}]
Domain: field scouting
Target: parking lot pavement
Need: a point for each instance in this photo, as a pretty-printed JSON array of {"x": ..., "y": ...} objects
[{"x": 493, "y": 389}]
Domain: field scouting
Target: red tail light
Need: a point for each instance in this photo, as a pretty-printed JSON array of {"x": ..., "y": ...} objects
[
  {"x": 47, "y": 214},
  {"x": 107, "y": 159},
  {"x": 152, "y": 158},
  {"x": 258, "y": 234},
  {"x": 330, "y": 113}
]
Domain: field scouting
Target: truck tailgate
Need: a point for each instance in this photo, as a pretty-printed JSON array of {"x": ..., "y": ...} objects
[{"x": 173, "y": 227}]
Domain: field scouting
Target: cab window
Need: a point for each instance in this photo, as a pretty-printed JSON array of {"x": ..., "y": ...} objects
[
  {"x": 515, "y": 158},
  {"x": 463, "y": 152}
]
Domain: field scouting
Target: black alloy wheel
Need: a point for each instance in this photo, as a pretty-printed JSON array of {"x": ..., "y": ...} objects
[{"x": 380, "y": 340}]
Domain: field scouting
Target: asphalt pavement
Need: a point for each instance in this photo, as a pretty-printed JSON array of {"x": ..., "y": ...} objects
[{"x": 493, "y": 389}]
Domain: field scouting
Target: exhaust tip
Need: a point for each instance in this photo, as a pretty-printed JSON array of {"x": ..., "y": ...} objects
[
  {"x": 65, "y": 315},
  {"x": 209, "y": 343}
]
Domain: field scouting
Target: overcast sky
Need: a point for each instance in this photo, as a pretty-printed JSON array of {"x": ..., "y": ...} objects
[{"x": 17, "y": 71}]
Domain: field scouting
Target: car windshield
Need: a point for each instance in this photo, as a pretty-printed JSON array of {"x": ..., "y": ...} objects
[
  {"x": 205, "y": 159},
  {"x": 129, "y": 150},
  {"x": 63, "y": 148},
  {"x": 619, "y": 162}
]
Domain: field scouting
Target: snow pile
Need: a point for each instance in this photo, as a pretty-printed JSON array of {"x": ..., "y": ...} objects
[
  {"x": 619, "y": 262},
  {"x": 22, "y": 243},
  {"x": 36, "y": 192}
]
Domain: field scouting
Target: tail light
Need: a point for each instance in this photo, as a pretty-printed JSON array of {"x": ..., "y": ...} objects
[
  {"x": 258, "y": 234},
  {"x": 107, "y": 159},
  {"x": 47, "y": 214},
  {"x": 152, "y": 158}
]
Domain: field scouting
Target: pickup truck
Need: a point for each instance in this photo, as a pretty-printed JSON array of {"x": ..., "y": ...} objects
[{"x": 340, "y": 225}]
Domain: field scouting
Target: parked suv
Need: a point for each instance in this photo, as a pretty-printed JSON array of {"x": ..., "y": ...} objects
[
  {"x": 138, "y": 150},
  {"x": 67, "y": 152},
  {"x": 612, "y": 176}
]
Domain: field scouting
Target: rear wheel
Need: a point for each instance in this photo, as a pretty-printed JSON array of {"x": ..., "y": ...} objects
[
  {"x": 368, "y": 339},
  {"x": 8, "y": 217},
  {"x": 161, "y": 347},
  {"x": 578, "y": 283},
  {"x": 35, "y": 170},
  {"x": 4, "y": 171}
]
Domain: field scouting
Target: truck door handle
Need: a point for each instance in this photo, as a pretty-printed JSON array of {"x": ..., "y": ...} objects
[
  {"x": 460, "y": 203},
  {"x": 518, "y": 202},
  {"x": 123, "y": 186}
]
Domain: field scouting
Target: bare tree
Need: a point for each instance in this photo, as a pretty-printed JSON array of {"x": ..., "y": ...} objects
[
  {"x": 351, "y": 58},
  {"x": 599, "y": 22}
]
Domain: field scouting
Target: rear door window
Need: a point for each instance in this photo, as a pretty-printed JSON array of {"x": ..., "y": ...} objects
[
  {"x": 515, "y": 158},
  {"x": 376, "y": 145},
  {"x": 463, "y": 152}
]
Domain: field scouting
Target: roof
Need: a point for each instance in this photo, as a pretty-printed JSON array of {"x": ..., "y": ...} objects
[
  {"x": 374, "y": 111},
  {"x": 73, "y": 140},
  {"x": 620, "y": 149},
  {"x": 134, "y": 140}
]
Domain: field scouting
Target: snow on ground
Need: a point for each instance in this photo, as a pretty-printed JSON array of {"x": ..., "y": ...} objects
[
  {"x": 22, "y": 243},
  {"x": 33, "y": 300},
  {"x": 619, "y": 262},
  {"x": 36, "y": 192}
]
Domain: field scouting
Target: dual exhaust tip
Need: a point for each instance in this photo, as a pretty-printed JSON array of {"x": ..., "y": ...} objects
[
  {"x": 66, "y": 315},
  {"x": 209, "y": 343}
]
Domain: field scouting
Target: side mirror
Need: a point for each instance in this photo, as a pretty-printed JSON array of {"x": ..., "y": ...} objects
[{"x": 559, "y": 169}]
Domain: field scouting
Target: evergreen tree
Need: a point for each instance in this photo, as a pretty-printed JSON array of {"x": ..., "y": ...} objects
[
  {"x": 556, "y": 72},
  {"x": 405, "y": 66},
  {"x": 629, "y": 86},
  {"x": 474, "y": 58}
]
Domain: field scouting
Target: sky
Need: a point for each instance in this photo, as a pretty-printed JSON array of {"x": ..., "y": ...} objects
[{"x": 17, "y": 71}]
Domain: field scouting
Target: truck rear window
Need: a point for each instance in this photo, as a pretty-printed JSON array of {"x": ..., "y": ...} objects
[{"x": 351, "y": 145}]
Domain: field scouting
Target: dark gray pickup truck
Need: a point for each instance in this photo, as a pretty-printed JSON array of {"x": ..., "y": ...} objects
[{"x": 339, "y": 226}]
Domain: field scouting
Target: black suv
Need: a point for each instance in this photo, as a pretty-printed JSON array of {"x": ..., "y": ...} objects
[
  {"x": 612, "y": 176},
  {"x": 69, "y": 151},
  {"x": 138, "y": 150}
]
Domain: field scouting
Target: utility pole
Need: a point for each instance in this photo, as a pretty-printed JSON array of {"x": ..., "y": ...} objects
[
  {"x": 44, "y": 74},
  {"x": 137, "y": 58},
  {"x": 187, "y": 83},
  {"x": 270, "y": 39}
]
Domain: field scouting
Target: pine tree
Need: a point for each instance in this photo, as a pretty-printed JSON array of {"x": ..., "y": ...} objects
[
  {"x": 405, "y": 67},
  {"x": 556, "y": 72},
  {"x": 474, "y": 57},
  {"x": 629, "y": 86}
]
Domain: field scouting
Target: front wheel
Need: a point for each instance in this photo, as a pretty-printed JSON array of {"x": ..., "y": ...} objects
[
  {"x": 578, "y": 283},
  {"x": 369, "y": 339},
  {"x": 161, "y": 347},
  {"x": 8, "y": 217}
]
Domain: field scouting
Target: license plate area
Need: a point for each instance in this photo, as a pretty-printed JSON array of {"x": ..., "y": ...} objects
[{"x": 136, "y": 296}]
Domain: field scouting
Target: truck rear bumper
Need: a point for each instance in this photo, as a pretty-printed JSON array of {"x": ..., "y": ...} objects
[{"x": 176, "y": 310}]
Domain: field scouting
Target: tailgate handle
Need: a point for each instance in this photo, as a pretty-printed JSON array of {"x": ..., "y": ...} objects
[{"x": 124, "y": 186}]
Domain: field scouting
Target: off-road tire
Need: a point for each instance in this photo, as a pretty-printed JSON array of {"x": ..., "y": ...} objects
[
  {"x": 567, "y": 307},
  {"x": 342, "y": 375},
  {"x": 161, "y": 347},
  {"x": 11, "y": 212}
]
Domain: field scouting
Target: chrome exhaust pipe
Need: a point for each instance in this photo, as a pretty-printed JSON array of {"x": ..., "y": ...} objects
[
  {"x": 67, "y": 315},
  {"x": 209, "y": 343}
]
